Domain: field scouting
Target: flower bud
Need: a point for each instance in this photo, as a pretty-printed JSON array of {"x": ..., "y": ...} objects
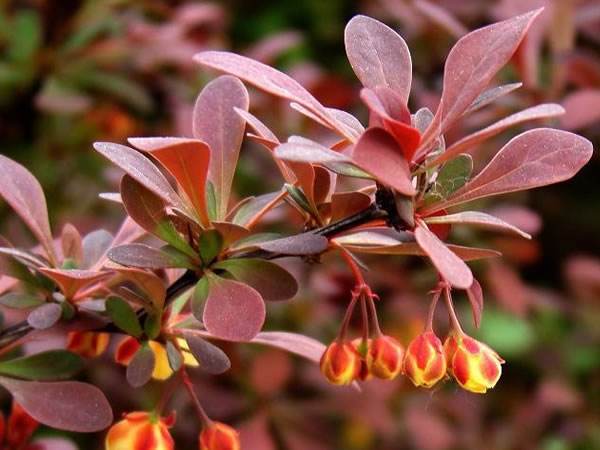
[
  {"x": 140, "y": 430},
  {"x": 362, "y": 346},
  {"x": 474, "y": 365},
  {"x": 385, "y": 357},
  {"x": 219, "y": 436},
  {"x": 340, "y": 363},
  {"x": 88, "y": 344},
  {"x": 424, "y": 361}
]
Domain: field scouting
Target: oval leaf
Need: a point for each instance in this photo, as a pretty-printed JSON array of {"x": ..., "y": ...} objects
[
  {"x": 477, "y": 218},
  {"x": 211, "y": 358},
  {"x": 139, "y": 370},
  {"x": 449, "y": 265},
  {"x": 24, "y": 194},
  {"x": 50, "y": 365},
  {"x": 144, "y": 256},
  {"x": 234, "y": 311},
  {"x": 378, "y": 55},
  {"x": 299, "y": 245},
  {"x": 272, "y": 281},
  {"x": 216, "y": 123},
  {"x": 44, "y": 316},
  {"x": 65, "y": 405},
  {"x": 299, "y": 344},
  {"x": 123, "y": 316}
]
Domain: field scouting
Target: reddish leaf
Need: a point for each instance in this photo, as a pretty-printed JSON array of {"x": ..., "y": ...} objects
[
  {"x": 268, "y": 79},
  {"x": 230, "y": 232},
  {"x": 234, "y": 311},
  {"x": 71, "y": 281},
  {"x": 535, "y": 158},
  {"x": 490, "y": 95},
  {"x": 23, "y": 193},
  {"x": 187, "y": 160},
  {"x": 378, "y": 153},
  {"x": 299, "y": 344},
  {"x": 475, "y": 294},
  {"x": 144, "y": 256},
  {"x": 95, "y": 245},
  {"x": 476, "y": 218},
  {"x": 542, "y": 111},
  {"x": 216, "y": 123},
  {"x": 45, "y": 316},
  {"x": 298, "y": 245},
  {"x": 140, "y": 169},
  {"x": 65, "y": 405},
  {"x": 252, "y": 207},
  {"x": 210, "y": 357},
  {"x": 344, "y": 204},
  {"x": 71, "y": 243},
  {"x": 272, "y": 281},
  {"x": 148, "y": 282},
  {"x": 378, "y": 55},
  {"x": 441, "y": 17},
  {"x": 448, "y": 264},
  {"x": 139, "y": 370},
  {"x": 471, "y": 65},
  {"x": 582, "y": 109}
]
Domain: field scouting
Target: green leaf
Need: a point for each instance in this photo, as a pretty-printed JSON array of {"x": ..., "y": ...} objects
[
  {"x": 211, "y": 200},
  {"x": 152, "y": 325},
  {"x": 210, "y": 245},
  {"x": 199, "y": 296},
  {"x": 20, "y": 301},
  {"x": 50, "y": 365},
  {"x": 26, "y": 36},
  {"x": 453, "y": 175},
  {"x": 300, "y": 198},
  {"x": 123, "y": 316}
]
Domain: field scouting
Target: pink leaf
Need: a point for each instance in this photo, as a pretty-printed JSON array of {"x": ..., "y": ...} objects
[
  {"x": 298, "y": 344},
  {"x": 378, "y": 153},
  {"x": 268, "y": 79},
  {"x": 378, "y": 55},
  {"x": 477, "y": 218},
  {"x": 234, "y": 311},
  {"x": 492, "y": 94},
  {"x": 471, "y": 65},
  {"x": 535, "y": 158},
  {"x": 216, "y": 123},
  {"x": 542, "y": 111},
  {"x": 140, "y": 169},
  {"x": 582, "y": 109},
  {"x": 449, "y": 265},
  {"x": 441, "y": 17},
  {"x": 475, "y": 294},
  {"x": 65, "y": 405},
  {"x": 23, "y": 193}
]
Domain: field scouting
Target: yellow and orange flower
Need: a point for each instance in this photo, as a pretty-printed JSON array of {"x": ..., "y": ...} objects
[
  {"x": 474, "y": 365},
  {"x": 88, "y": 344},
  {"x": 140, "y": 431},
  {"x": 219, "y": 436},
  {"x": 162, "y": 370},
  {"x": 424, "y": 361},
  {"x": 341, "y": 363},
  {"x": 385, "y": 357}
]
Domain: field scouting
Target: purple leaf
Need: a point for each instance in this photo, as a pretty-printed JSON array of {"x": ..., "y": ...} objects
[
  {"x": 378, "y": 55},
  {"x": 23, "y": 193},
  {"x": 542, "y": 111},
  {"x": 211, "y": 358},
  {"x": 234, "y": 311},
  {"x": 471, "y": 65},
  {"x": 216, "y": 123},
  {"x": 144, "y": 256},
  {"x": 378, "y": 153},
  {"x": 268, "y": 79},
  {"x": 140, "y": 368},
  {"x": 475, "y": 294},
  {"x": 535, "y": 158},
  {"x": 45, "y": 316},
  {"x": 479, "y": 219},
  {"x": 299, "y": 344},
  {"x": 492, "y": 94},
  {"x": 187, "y": 160},
  {"x": 140, "y": 169},
  {"x": 151, "y": 284},
  {"x": 272, "y": 281},
  {"x": 449, "y": 265},
  {"x": 65, "y": 405},
  {"x": 298, "y": 245}
]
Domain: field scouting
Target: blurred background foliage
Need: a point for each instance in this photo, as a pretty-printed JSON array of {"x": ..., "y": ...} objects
[{"x": 73, "y": 72}]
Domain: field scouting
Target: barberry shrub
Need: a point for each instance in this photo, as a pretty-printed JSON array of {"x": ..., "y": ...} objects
[{"x": 212, "y": 273}]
